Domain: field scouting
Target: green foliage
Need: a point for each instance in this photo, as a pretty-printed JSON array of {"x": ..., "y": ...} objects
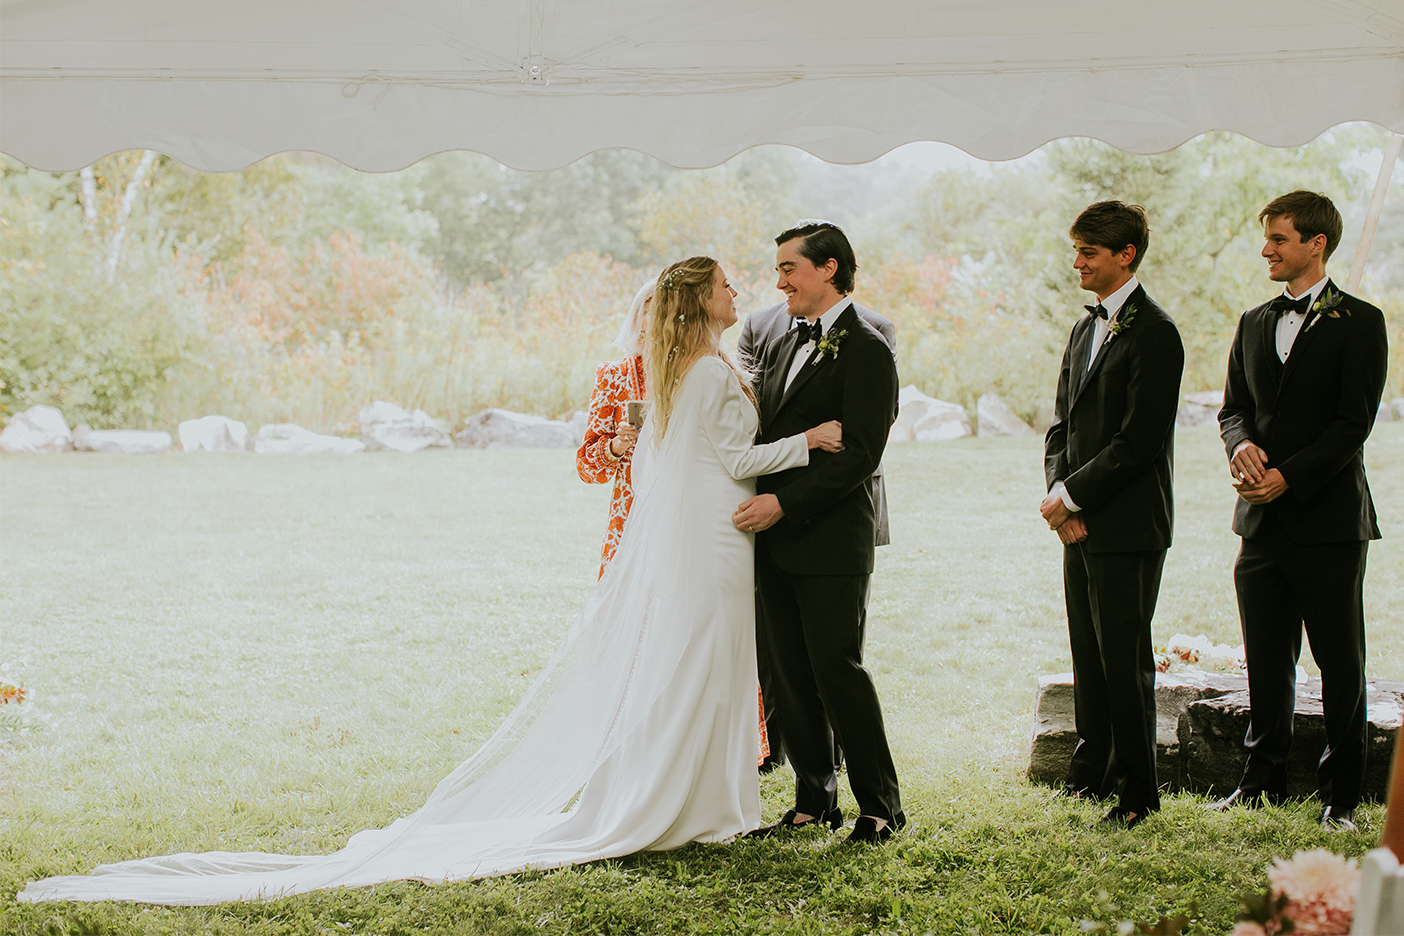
[
  {"x": 104, "y": 351},
  {"x": 493, "y": 222},
  {"x": 299, "y": 290}
]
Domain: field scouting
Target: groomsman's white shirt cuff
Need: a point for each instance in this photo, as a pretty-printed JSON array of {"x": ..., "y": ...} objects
[
  {"x": 1112, "y": 304},
  {"x": 806, "y": 349},
  {"x": 1290, "y": 325},
  {"x": 1062, "y": 493}
]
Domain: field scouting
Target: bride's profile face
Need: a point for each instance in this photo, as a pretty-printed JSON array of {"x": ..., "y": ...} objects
[{"x": 722, "y": 306}]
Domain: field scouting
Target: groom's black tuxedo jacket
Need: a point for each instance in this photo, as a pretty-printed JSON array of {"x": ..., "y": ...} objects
[
  {"x": 1311, "y": 415},
  {"x": 1113, "y": 436},
  {"x": 828, "y": 527}
]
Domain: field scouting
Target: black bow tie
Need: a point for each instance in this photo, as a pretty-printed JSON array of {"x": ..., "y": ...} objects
[
  {"x": 1099, "y": 310},
  {"x": 1282, "y": 305},
  {"x": 808, "y": 332}
]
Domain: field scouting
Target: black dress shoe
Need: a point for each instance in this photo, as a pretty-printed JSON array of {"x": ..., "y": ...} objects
[
  {"x": 1335, "y": 819},
  {"x": 1124, "y": 817},
  {"x": 833, "y": 819},
  {"x": 1249, "y": 799},
  {"x": 866, "y": 831}
]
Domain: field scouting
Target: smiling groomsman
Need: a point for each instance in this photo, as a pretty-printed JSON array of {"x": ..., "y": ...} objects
[
  {"x": 1304, "y": 381},
  {"x": 1107, "y": 460}
]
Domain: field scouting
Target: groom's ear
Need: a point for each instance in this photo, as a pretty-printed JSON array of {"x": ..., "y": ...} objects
[{"x": 829, "y": 269}]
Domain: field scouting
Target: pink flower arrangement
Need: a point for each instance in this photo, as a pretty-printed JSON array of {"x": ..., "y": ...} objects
[{"x": 1314, "y": 892}]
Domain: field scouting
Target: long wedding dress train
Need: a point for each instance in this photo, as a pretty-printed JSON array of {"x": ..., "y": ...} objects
[{"x": 639, "y": 734}]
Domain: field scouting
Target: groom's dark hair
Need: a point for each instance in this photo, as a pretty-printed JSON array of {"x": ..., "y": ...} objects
[{"x": 825, "y": 241}]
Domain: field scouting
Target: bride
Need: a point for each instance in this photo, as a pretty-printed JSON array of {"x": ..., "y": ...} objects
[{"x": 641, "y": 731}]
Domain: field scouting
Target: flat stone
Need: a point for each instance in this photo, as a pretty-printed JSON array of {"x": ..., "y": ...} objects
[
  {"x": 292, "y": 439},
  {"x": 387, "y": 426},
  {"x": 500, "y": 428},
  {"x": 921, "y": 418},
  {"x": 579, "y": 421},
  {"x": 120, "y": 441},
  {"x": 1200, "y": 408},
  {"x": 1213, "y": 731},
  {"x": 213, "y": 434},
  {"x": 1055, "y": 727},
  {"x": 995, "y": 418},
  {"x": 39, "y": 430}
]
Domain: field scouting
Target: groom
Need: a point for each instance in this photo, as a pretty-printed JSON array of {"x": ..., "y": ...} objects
[{"x": 817, "y": 530}]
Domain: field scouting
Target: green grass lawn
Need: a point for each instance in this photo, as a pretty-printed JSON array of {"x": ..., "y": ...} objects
[{"x": 271, "y": 653}]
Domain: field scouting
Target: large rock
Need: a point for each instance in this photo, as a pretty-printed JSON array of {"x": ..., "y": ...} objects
[
  {"x": 1212, "y": 733},
  {"x": 213, "y": 434},
  {"x": 921, "y": 418},
  {"x": 386, "y": 426},
  {"x": 993, "y": 418},
  {"x": 578, "y": 422},
  {"x": 1055, "y": 730},
  {"x": 290, "y": 439},
  {"x": 500, "y": 428},
  {"x": 1385, "y": 413},
  {"x": 39, "y": 430},
  {"x": 120, "y": 441},
  {"x": 1201, "y": 719},
  {"x": 1200, "y": 408},
  {"x": 1396, "y": 405}
]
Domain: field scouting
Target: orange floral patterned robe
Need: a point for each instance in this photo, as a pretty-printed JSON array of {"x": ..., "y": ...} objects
[{"x": 617, "y": 382}]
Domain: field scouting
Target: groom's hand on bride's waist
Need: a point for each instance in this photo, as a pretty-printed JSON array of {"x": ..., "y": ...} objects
[{"x": 758, "y": 513}]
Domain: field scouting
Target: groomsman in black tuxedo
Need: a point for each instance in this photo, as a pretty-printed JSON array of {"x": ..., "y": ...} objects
[
  {"x": 1304, "y": 381},
  {"x": 760, "y": 329},
  {"x": 816, "y": 536},
  {"x": 1108, "y": 460}
]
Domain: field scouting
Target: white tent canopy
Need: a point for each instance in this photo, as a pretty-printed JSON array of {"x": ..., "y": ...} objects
[{"x": 379, "y": 84}]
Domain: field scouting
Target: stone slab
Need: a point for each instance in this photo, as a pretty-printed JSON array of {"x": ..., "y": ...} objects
[
  {"x": 1201, "y": 720},
  {"x": 1055, "y": 728}
]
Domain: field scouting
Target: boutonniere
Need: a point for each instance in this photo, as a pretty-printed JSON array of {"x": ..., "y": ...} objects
[
  {"x": 1326, "y": 306},
  {"x": 829, "y": 345},
  {"x": 1123, "y": 321}
]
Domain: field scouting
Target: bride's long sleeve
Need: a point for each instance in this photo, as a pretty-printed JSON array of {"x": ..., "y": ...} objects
[{"x": 723, "y": 417}]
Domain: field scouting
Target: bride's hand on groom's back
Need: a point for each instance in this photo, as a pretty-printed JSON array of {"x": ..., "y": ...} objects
[{"x": 827, "y": 436}]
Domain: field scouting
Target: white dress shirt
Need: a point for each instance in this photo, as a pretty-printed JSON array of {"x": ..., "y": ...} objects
[
  {"x": 805, "y": 350},
  {"x": 1100, "y": 328},
  {"x": 1290, "y": 324}
]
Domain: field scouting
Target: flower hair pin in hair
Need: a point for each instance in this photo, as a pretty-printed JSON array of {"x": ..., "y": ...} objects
[{"x": 670, "y": 279}]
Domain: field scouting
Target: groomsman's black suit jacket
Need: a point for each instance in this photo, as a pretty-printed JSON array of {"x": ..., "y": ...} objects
[
  {"x": 1311, "y": 415},
  {"x": 1112, "y": 440},
  {"x": 829, "y": 522},
  {"x": 766, "y": 326}
]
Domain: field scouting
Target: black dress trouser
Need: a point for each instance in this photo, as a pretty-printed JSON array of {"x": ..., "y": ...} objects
[
  {"x": 814, "y": 634},
  {"x": 1283, "y": 586},
  {"x": 1111, "y": 600}
]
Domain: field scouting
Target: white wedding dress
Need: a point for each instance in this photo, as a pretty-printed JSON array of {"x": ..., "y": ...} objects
[{"x": 641, "y": 732}]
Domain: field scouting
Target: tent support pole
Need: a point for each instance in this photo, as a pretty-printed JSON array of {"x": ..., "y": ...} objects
[{"x": 1372, "y": 217}]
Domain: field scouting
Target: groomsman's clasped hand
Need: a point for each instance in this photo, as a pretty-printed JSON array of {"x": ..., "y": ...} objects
[
  {"x": 1061, "y": 520},
  {"x": 1254, "y": 481}
]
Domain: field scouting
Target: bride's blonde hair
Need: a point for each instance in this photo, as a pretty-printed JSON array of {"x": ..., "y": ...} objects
[{"x": 680, "y": 333}]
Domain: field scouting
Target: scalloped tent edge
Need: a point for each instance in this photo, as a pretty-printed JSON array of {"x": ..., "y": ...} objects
[{"x": 537, "y": 84}]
